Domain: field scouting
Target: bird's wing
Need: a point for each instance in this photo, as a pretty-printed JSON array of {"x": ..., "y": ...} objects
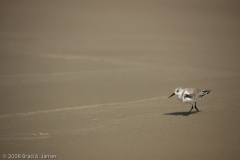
[{"x": 193, "y": 93}]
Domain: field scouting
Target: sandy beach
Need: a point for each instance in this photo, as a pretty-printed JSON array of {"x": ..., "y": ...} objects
[{"x": 90, "y": 80}]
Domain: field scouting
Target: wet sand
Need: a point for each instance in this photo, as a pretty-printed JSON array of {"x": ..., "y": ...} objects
[{"x": 91, "y": 80}]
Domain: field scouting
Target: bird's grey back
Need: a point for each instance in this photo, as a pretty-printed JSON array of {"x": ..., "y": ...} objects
[{"x": 197, "y": 93}]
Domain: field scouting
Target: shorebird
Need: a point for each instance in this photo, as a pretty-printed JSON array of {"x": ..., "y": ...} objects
[{"x": 190, "y": 95}]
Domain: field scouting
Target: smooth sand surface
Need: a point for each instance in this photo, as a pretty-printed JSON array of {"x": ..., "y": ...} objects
[{"x": 90, "y": 80}]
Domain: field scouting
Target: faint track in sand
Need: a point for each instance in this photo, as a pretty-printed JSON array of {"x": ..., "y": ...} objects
[{"x": 79, "y": 107}]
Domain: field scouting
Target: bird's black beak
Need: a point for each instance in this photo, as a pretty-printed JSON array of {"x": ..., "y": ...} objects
[{"x": 171, "y": 95}]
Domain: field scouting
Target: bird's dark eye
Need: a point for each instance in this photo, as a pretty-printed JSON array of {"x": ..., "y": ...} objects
[{"x": 177, "y": 90}]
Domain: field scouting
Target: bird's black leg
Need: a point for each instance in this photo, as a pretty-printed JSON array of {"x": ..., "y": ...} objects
[
  {"x": 190, "y": 110},
  {"x": 196, "y": 106}
]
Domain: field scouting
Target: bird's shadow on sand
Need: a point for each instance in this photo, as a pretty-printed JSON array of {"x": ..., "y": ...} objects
[{"x": 180, "y": 113}]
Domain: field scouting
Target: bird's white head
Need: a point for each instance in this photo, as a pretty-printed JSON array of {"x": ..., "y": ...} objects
[{"x": 177, "y": 91}]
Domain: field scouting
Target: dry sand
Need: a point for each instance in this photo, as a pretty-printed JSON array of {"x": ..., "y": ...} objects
[{"x": 90, "y": 80}]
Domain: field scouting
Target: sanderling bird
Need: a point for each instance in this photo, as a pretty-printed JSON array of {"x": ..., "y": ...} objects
[{"x": 190, "y": 95}]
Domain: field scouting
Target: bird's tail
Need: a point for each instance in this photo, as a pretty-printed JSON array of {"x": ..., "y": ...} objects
[{"x": 204, "y": 92}]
